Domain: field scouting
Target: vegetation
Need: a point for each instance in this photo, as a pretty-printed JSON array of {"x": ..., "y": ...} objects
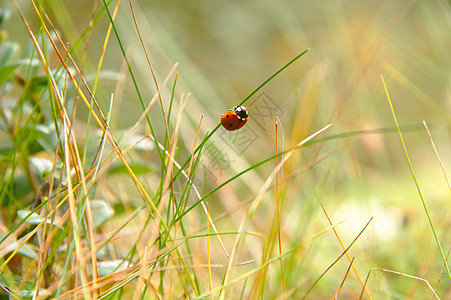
[{"x": 117, "y": 179}]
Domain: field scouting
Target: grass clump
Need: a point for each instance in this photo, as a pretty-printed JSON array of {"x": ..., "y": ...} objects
[{"x": 118, "y": 181}]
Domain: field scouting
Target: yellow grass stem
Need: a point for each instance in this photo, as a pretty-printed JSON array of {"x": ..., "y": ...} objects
[
  {"x": 344, "y": 278},
  {"x": 435, "y": 296},
  {"x": 338, "y": 259},
  {"x": 210, "y": 283},
  {"x": 278, "y": 212},
  {"x": 342, "y": 245}
]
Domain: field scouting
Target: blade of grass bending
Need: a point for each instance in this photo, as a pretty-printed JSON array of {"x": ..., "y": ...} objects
[
  {"x": 300, "y": 145},
  {"x": 274, "y": 75},
  {"x": 208, "y": 135},
  {"x": 401, "y": 274},
  {"x": 415, "y": 178}
]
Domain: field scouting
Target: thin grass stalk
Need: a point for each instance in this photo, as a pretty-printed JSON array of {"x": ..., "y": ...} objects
[
  {"x": 344, "y": 279},
  {"x": 227, "y": 272},
  {"x": 171, "y": 153},
  {"x": 259, "y": 268},
  {"x": 166, "y": 120},
  {"x": 342, "y": 246},
  {"x": 89, "y": 216},
  {"x": 94, "y": 88},
  {"x": 286, "y": 152},
  {"x": 73, "y": 213},
  {"x": 258, "y": 287},
  {"x": 423, "y": 202},
  {"x": 278, "y": 213},
  {"x": 188, "y": 182},
  {"x": 185, "y": 195},
  {"x": 110, "y": 136},
  {"x": 209, "y": 134},
  {"x": 442, "y": 167},
  {"x": 401, "y": 274},
  {"x": 210, "y": 283},
  {"x": 441, "y": 274},
  {"x": 338, "y": 259},
  {"x": 135, "y": 83}
]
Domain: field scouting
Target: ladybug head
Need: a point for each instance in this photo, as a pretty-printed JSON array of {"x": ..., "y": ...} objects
[{"x": 241, "y": 111}]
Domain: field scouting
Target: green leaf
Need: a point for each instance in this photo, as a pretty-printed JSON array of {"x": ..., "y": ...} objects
[
  {"x": 139, "y": 142},
  {"x": 44, "y": 166},
  {"x": 27, "y": 288},
  {"x": 101, "y": 212},
  {"x": 4, "y": 15},
  {"x": 7, "y": 51},
  {"x": 6, "y": 72},
  {"x": 34, "y": 218},
  {"x": 105, "y": 268}
]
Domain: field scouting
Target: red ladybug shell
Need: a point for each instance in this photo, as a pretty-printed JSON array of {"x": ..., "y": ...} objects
[{"x": 235, "y": 118}]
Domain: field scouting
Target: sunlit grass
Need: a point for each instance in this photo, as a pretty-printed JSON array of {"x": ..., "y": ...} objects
[{"x": 119, "y": 182}]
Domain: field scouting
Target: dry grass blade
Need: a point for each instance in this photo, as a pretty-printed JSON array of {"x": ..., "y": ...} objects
[
  {"x": 265, "y": 265},
  {"x": 420, "y": 194},
  {"x": 148, "y": 196},
  {"x": 110, "y": 135},
  {"x": 143, "y": 45},
  {"x": 330, "y": 267},
  {"x": 278, "y": 211},
  {"x": 437, "y": 155},
  {"x": 259, "y": 282},
  {"x": 232, "y": 256},
  {"x": 342, "y": 245},
  {"x": 351, "y": 264},
  {"x": 435, "y": 296}
]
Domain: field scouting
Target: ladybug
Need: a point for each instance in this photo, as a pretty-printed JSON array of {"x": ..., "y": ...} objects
[{"x": 235, "y": 118}]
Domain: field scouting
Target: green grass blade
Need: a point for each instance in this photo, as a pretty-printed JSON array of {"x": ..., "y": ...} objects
[{"x": 415, "y": 178}]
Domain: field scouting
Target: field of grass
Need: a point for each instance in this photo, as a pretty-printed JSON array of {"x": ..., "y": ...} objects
[{"x": 118, "y": 181}]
